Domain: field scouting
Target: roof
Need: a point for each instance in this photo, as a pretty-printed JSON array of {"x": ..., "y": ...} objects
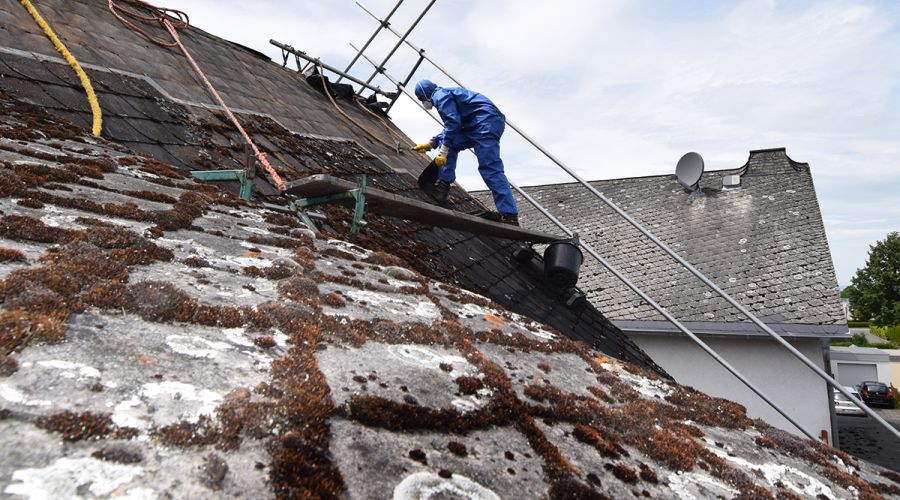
[
  {"x": 162, "y": 338},
  {"x": 856, "y": 353},
  {"x": 764, "y": 243}
]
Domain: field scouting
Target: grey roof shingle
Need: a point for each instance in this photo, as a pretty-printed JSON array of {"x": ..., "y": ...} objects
[{"x": 764, "y": 243}]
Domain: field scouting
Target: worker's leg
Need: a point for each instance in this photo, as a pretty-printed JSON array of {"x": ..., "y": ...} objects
[
  {"x": 490, "y": 166},
  {"x": 448, "y": 171}
]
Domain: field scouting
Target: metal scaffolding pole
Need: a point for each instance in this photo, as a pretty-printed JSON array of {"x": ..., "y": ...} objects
[
  {"x": 304, "y": 55},
  {"x": 725, "y": 364},
  {"x": 380, "y": 68},
  {"x": 687, "y": 265},
  {"x": 384, "y": 24}
]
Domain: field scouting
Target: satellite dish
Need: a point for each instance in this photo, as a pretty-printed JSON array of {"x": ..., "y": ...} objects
[{"x": 689, "y": 170}]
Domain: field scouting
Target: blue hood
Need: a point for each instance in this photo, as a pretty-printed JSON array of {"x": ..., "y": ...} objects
[{"x": 425, "y": 88}]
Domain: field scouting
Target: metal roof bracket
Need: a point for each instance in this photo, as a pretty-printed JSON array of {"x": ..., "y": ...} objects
[{"x": 358, "y": 195}]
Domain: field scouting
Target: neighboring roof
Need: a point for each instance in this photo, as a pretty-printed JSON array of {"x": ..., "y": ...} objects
[
  {"x": 856, "y": 353},
  {"x": 162, "y": 338},
  {"x": 764, "y": 243}
]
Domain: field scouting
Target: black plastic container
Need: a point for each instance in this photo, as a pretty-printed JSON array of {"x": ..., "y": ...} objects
[{"x": 562, "y": 260}]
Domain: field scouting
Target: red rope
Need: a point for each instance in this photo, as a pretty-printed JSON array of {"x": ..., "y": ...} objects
[{"x": 159, "y": 15}]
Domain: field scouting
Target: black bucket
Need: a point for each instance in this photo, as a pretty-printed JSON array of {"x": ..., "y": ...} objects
[{"x": 562, "y": 260}]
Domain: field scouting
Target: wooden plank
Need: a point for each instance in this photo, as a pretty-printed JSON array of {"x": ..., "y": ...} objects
[{"x": 394, "y": 205}]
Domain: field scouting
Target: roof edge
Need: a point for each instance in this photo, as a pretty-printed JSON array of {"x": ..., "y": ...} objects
[{"x": 734, "y": 329}]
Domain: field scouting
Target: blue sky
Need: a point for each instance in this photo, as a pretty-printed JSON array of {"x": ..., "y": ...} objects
[{"x": 623, "y": 88}]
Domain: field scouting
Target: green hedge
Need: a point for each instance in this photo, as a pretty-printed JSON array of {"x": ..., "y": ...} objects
[
  {"x": 890, "y": 333},
  {"x": 858, "y": 324}
]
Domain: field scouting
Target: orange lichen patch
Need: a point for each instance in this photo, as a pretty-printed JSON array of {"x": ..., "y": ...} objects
[
  {"x": 569, "y": 488},
  {"x": 335, "y": 299},
  {"x": 200, "y": 433},
  {"x": 265, "y": 341},
  {"x": 194, "y": 261},
  {"x": 11, "y": 184},
  {"x": 301, "y": 464},
  {"x": 764, "y": 441},
  {"x": 375, "y": 411},
  {"x": 623, "y": 472},
  {"x": 239, "y": 415},
  {"x": 866, "y": 490},
  {"x": 338, "y": 254},
  {"x": 30, "y": 203},
  {"x": 457, "y": 448},
  {"x": 556, "y": 466},
  {"x": 300, "y": 289},
  {"x": 146, "y": 360},
  {"x": 9, "y": 363},
  {"x": 180, "y": 216},
  {"x": 19, "y": 327},
  {"x": 674, "y": 452},
  {"x": 162, "y": 170},
  {"x": 160, "y": 301},
  {"x": 82, "y": 426},
  {"x": 601, "y": 394},
  {"x": 272, "y": 241},
  {"x": 589, "y": 435},
  {"x": 887, "y": 489},
  {"x": 601, "y": 359},
  {"x": 490, "y": 318},
  {"x": 893, "y": 476},
  {"x": 277, "y": 271},
  {"x": 11, "y": 255},
  {"x": 25, "y": 228},
  {"x": 623, "y": 392},
  {"x": 252, "y": 253},
  {"x": 469, "y": 385},
  {"x": 220, "y": 316},
  {"x": 152, "y": 196},
  {"x": 305, "y": 258},
  {"x": 385, "y": 259},
  {"x": 647, "y": 474},
  {"x": 707, "y": 410},
  {"x": 283, "y": 220}
]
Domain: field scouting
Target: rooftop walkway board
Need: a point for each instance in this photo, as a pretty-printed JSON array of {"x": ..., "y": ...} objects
[{"x": 399, "y": 206}]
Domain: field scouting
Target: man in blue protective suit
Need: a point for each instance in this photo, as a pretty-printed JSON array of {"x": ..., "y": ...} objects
[{"x": 471, "y": 120}]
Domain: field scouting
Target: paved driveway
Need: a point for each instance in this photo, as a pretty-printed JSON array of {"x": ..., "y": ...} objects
[{"x": 864, "y": 438}]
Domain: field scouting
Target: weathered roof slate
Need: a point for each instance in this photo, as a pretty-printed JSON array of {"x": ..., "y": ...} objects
[{"x": 763, "y": 243}]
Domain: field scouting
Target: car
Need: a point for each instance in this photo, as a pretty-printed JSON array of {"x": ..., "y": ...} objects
[
  {"x": 875, "y": 393},
  {"x": 843, "y": 406}
]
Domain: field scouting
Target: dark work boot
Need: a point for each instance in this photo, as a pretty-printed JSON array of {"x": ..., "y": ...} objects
[
  {"x": 511, "y": 219},
  {"x": 441, "y": 191}
]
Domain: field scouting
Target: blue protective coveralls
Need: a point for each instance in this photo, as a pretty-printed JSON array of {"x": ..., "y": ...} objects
[{"x": 471, "y": 120}]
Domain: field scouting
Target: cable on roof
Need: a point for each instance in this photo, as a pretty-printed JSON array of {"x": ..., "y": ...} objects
[
  {"x": 345, "y": 115},
  {"x": 181, "y": 21},
  {"x": 97, "y": 124}
]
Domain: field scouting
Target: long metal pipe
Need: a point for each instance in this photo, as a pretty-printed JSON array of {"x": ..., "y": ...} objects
[
  {"x": 311, "y": 59},
  {"x": 365, "y": 46},
  {"x": 380, "y": 67},
  {"x": 728, "y": 298},
  {"x": 590, "y": 250}
]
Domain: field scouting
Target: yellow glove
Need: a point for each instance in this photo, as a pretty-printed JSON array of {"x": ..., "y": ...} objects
[
  {"x": 421, "y": 148},
  {"x": 441, "y": 159}
]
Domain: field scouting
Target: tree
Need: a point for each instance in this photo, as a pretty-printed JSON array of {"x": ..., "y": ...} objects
[{"x": 875, "y": 290}]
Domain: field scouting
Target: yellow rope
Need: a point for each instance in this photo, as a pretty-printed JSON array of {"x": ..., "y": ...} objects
[{"x": 85, "y": 81}]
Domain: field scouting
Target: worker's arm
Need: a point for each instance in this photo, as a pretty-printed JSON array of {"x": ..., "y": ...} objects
[{"x": 446, "y": 107}]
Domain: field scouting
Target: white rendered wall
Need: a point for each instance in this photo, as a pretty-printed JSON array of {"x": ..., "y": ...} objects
[{"x": 771, "y": 368}]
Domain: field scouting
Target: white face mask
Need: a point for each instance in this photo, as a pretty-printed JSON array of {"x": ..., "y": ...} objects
[{"x": 427, "y": 104}]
